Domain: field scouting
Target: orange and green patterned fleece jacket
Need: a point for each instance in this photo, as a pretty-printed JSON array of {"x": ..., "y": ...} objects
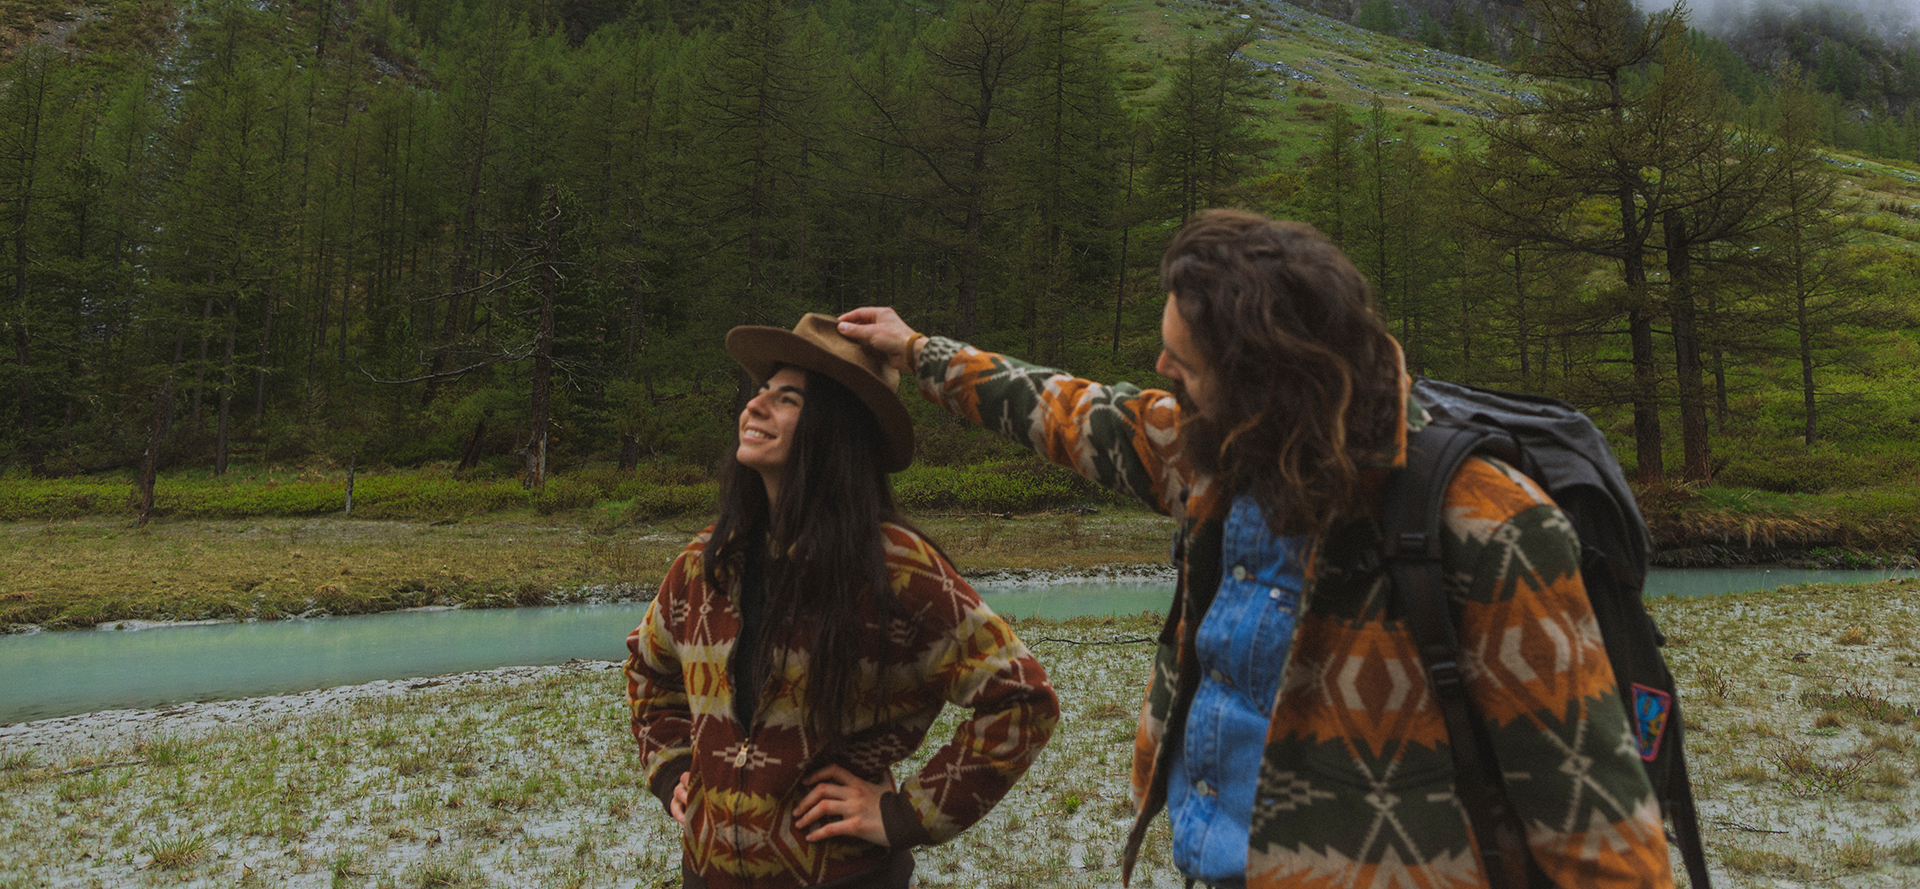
[
  {"x": 1356, "y": 781},
  {"x": 946, "y": 647}
]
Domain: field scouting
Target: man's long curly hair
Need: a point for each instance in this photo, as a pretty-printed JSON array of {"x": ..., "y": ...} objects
[{"x": 1305, "y": 379}]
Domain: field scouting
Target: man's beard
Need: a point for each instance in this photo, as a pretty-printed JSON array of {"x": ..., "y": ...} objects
[{"x": 1200, "y": 435}]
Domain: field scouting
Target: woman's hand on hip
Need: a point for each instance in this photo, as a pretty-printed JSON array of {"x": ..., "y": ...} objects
[
  {"x": 838, "y": 793},
  {"x": 678, "y": 807}
]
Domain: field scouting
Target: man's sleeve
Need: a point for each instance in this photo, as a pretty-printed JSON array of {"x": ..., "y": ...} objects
[
  {"x": 1537, "y": 669},
  {"x": 1121, "y": 437},
  {"x": 656, "y": 692}
]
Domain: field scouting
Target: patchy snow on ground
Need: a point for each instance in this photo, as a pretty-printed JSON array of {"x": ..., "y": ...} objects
[
  {"x": 1802, "y": 708},
  {"x": 514, "y": 777}
]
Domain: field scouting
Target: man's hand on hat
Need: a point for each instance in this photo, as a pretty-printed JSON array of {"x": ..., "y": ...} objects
[{"x": 879, "y": 328}]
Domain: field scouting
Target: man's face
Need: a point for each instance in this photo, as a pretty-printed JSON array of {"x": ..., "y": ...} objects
[{"x": 1182, "y": 363}]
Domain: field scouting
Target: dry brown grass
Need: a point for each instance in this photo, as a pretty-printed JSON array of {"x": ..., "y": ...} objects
[{"x": 89, "y": 571}]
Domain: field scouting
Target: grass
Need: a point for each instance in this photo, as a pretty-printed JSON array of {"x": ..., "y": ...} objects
[
  {"x": 174, "y": 853},
  {"x": 527, "y": 778},
  {"x": 88, "y": 570},
  {"x": 1802, "y": 738},
  {"x": 84, "y": 572},
  {"x": 526, "y": 782},
  {"x": 270, "y": 541}
]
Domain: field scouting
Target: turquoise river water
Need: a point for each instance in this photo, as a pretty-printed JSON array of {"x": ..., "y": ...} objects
[{"x": 45, "y": 675}]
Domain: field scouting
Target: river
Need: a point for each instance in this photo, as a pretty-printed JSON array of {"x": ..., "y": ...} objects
[{"x": 45, "y": 675}]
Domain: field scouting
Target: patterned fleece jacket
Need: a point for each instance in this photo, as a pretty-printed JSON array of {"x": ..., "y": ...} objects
[
  {"x": 1356, "y": 783},
  {"x": 745, "y": 780}
]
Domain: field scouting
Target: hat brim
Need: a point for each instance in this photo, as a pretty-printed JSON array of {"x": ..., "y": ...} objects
[{"x": 759, "y": 349}]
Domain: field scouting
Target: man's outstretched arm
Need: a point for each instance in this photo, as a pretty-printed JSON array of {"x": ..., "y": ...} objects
[{"x": 1119, "y": 436}]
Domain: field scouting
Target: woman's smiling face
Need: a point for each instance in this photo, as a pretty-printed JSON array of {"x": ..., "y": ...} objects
[{"x": 767, "y": 425}]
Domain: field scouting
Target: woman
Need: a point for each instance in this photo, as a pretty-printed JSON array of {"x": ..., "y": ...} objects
[{"x": 803, "y": 644}]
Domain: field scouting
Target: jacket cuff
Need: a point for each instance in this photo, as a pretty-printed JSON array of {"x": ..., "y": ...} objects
[
  {"x": 904, "y": 829},
  {"x": 668, "y": 777},
  {"x": 930, "y": 366}
]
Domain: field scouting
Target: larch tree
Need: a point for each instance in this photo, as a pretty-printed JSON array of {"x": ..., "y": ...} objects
[
  {"x": 1589, "y": 140},
  {"x": 1204, "y": 138},
  {"x": 1806, "y": 262},
  {"x": 1066, "y": 167}
]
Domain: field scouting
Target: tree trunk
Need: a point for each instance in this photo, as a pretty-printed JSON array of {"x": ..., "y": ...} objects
[
  {"x": 1646, "y": 406},
  {"x": 1694, "y": 440},
  {"x": 543, "y": 345},
  {"x": 32, "y": 81},
  {"x": 260, "y": 373},
  {"x": 222, "y": 439},
  {"x": 150, "y": 461},
  {"x": 1126, "y": 232},
  {"x": 200, "y": 369},
  {"x": 1811, "y": 431},
  {"x": 1646, "y": 377}
]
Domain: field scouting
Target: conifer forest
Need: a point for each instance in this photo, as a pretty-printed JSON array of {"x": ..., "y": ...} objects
[{"x": 399, "y": 232}]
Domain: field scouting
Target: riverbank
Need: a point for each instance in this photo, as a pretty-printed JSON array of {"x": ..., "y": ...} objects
[
  {"x": 86, "y": 571},
  {"x": 1801, "y": 704},
  {"x": 91, "y": 570}
]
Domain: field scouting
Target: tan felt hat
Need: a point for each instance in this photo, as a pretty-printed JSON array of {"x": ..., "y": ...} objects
[{"x": 816, "y": 344}]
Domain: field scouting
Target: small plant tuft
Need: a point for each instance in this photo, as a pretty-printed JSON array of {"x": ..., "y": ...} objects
[
  {"x": 1743, "y": 860},
  {"x": 175, "y": 853},
  {"x": 1861, "y": 701},
  {"x": 1715, "y": 682},
  {"x": 1907, "y": 853},
  {"x": 1858, "y": 853}
]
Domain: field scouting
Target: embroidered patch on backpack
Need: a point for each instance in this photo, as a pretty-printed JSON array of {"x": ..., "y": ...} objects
[{"x": 1651, "y": 707}]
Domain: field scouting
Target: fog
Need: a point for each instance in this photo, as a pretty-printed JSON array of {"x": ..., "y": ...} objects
[{"x": 1891, "y": 19}]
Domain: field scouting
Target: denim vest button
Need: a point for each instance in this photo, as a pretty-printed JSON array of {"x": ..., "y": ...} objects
[{"x": 1239, "y": 572}]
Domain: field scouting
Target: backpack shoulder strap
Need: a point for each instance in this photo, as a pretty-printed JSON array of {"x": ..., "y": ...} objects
[{"x": 1411, "y": 550}]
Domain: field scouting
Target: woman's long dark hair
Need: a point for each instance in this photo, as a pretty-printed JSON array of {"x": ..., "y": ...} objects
[{"x": 823, "y": 552}]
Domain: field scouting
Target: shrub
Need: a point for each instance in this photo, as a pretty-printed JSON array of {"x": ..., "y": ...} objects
[
  {"x": 564, "y": 492},
  {"x": 671, "y": 501},
  {"x": 25, "y": 499},
  {"x": 414, "y": 497},
  {"x": 1007, "y": 486},
  {"x": 1792, "y": 469}
]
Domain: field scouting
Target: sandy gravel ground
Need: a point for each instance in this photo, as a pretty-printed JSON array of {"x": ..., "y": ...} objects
[{"x": 1803, "y": 707}]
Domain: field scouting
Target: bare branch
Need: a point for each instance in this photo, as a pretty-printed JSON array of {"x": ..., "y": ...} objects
[{"x": 455, "y": 373}]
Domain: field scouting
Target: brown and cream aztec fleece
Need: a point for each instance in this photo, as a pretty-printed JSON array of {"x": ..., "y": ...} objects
[
  {"x": 947, "y": 648},
  {"x": 1356, "y": 784}
]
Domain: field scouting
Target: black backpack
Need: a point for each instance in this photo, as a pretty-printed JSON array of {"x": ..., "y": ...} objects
[{"x": 1561, "y": 450}]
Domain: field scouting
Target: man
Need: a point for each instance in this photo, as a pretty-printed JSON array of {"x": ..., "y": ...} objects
[{"x": 1288, "y": 728}]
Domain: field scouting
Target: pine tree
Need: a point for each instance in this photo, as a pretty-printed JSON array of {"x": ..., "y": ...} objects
[
  {"x": 1380, "y": 17},
  {"x": 31, "y": 94},
  {"x": 1066, "y": 165},
  {"x": 1204, "y": 138},
  {"x": 954, "y": 114}
]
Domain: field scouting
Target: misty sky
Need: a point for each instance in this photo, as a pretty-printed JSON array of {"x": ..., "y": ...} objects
[{"x": 1888, "y": 17}]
